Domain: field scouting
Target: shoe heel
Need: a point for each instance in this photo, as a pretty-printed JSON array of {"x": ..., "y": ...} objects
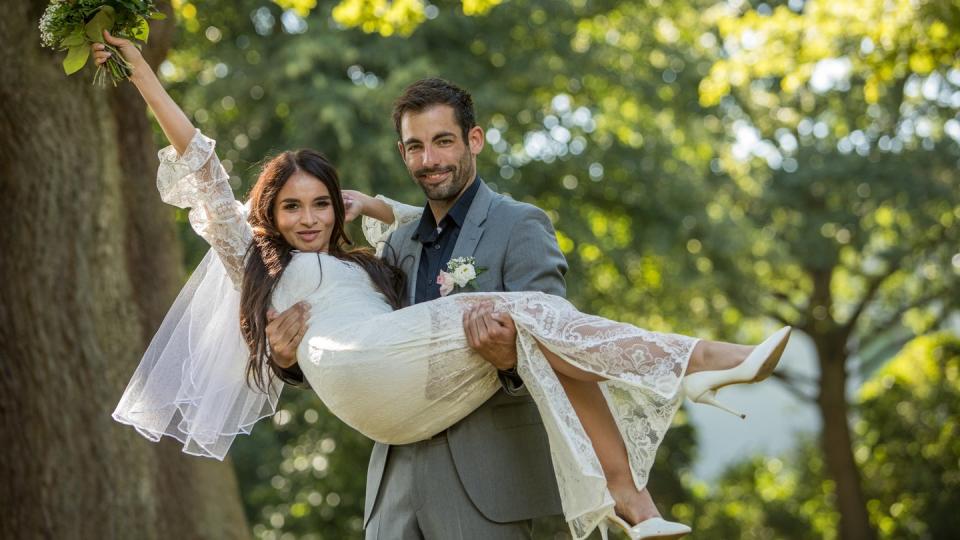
[
  {"x": 603, "y": 530},
  {"x": 710, "y": 398}
]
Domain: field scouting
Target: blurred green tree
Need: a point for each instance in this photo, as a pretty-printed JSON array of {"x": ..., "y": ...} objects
[
  {"x": 767, "y": 498},
  {"x": 843, "y": 155},
  {"x": 304, "y": 475},
  {"x": 908, "y": 440}
]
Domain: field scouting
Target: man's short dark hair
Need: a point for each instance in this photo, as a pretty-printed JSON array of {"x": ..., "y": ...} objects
[{"x": 426, "y": 93}]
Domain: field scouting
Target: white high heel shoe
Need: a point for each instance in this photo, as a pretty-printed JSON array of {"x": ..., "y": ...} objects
[
  {"x": 651, "y": 528},
  {"x": 702, "y": 387}
]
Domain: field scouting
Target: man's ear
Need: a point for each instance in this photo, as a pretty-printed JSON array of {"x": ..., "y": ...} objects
[
  {"x": 403, "y": 153},
  {"x": 475, "y": 139}
]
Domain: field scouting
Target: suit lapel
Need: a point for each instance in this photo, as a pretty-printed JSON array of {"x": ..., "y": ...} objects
[
  {"x": 410, "y": 250},
  {"x": 472, "y": 228}
]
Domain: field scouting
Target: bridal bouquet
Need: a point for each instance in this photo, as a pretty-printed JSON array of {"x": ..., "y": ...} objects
[{"x": 72, "y": 25}]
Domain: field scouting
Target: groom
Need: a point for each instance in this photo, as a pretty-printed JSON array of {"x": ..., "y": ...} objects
[{"x": 490, "y": 474}]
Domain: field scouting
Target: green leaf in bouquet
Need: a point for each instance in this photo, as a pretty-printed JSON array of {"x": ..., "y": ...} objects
[
  {"x": 157, "y": 16},
  {"x": 76, "y": 58},
  {"x": 103, "y": 20},
  {"x": 142, "y": 30},
  {"x": 73, "y": 40}
]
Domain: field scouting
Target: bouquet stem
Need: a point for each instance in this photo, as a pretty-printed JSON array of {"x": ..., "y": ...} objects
[{"x": 116, "y": 67}]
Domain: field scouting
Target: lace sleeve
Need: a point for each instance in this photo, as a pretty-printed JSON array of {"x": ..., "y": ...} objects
[
  {"x": 196, "y": 180},
  {"x": 376, "y": 232}
]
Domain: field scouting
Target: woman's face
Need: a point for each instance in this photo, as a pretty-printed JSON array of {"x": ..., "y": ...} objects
[{"x": 304, "y": 213}]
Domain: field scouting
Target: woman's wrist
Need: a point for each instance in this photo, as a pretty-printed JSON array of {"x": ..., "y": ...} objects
[
  {"x": 365, "y": 203},
  {"x": 141, "y": 71},
  {"x": 378, "y": 210}
]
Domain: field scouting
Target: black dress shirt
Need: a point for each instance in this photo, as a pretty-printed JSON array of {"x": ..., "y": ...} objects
[{"x": 438, "y": 242}]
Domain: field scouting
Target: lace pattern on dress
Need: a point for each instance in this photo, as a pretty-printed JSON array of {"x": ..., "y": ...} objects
[{"x": 196, "y": 180}]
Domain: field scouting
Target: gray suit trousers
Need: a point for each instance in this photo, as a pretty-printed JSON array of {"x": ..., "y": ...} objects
[{"x": 421, "y": 498}]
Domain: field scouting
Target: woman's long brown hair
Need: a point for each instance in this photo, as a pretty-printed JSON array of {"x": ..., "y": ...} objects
[{"x": 269, "y": 254}]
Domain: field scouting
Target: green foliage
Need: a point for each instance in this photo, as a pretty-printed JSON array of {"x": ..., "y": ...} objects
[
  {"x": 909, "y": 440},
  {"x": 884, "y": 42},
  {"x": 847, "y": 196},
  {"x": 389, "y": 17},
  {"x": 386, "y": 17},
  {"x": 303, "y": 475},
  {"x": 76, "y": 58},
  {"x": 767, "y": 498},
  {"x": 103, "y": 20}
]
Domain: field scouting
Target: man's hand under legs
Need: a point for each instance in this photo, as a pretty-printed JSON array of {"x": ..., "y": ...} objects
[{"x": 492, "y": 335}]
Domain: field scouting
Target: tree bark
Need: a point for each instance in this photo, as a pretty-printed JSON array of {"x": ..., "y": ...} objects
[
  {"x": 88, "y": 265},
  {"x": 838, "y": 443}
]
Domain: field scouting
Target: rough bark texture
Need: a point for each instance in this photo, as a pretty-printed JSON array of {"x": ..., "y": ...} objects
[{"x": 89, "y": 264}]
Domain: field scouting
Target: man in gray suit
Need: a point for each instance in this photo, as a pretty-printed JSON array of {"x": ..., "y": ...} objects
[{"x": 489, "y": 475}]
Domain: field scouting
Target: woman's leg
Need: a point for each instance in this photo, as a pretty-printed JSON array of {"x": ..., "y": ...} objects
[
  {"x": 715, "y": 355},
  {"x": 595, "y": 416},
  {"x": 591, "y": 407}
]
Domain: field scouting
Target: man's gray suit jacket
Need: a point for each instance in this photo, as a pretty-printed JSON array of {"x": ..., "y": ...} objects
[{"x": 500, "y": 450}]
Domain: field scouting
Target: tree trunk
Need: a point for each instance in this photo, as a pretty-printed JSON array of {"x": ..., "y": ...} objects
[
  {"x": 88, "y": 265},
  {"x": 838, "y": 444}
]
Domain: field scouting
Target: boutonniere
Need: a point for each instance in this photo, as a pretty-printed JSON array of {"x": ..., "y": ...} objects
[{"x": 461, "y": 272}]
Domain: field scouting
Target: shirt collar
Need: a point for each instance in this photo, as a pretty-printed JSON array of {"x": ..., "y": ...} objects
[{"x": 427, "y": 228}]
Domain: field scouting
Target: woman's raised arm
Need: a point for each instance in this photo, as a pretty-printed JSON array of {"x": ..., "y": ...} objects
[
  {"x": 359, "y": 204},
  {"x": 174, "y": 122},
  {"x": 190, "y": 175}
]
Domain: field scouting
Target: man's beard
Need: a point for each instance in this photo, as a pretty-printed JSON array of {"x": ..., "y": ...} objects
[{"x": 461, "y": 175}]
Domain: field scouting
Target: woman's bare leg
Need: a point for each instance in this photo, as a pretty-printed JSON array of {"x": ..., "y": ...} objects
[
  {"x": 714, "y": 355},
  {"x": 597, "y": 420}
]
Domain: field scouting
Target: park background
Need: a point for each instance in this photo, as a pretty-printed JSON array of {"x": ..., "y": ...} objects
[{"x": 712, "y": 168}]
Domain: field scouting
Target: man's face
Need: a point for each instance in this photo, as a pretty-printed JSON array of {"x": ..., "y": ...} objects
[{"x": 435, "y": 153}]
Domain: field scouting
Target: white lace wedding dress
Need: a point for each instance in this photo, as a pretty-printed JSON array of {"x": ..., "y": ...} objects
[{"x": 404, "y": 376}]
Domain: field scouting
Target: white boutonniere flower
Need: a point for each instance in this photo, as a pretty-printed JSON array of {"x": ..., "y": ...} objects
[{"x": 461, "y": 272}]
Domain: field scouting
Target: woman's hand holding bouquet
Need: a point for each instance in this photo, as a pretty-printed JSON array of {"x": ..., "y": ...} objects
[{"x": 73, "y": 25}]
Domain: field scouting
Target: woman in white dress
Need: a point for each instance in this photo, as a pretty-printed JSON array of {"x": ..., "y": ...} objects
[{"x": 607, "y": 391}]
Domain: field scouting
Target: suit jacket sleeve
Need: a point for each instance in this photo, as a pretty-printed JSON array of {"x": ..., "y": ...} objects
[{"x": 533, "y": 262}]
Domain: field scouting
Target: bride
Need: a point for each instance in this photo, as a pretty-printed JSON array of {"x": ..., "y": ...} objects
[{"x": 607, "y": 391}]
